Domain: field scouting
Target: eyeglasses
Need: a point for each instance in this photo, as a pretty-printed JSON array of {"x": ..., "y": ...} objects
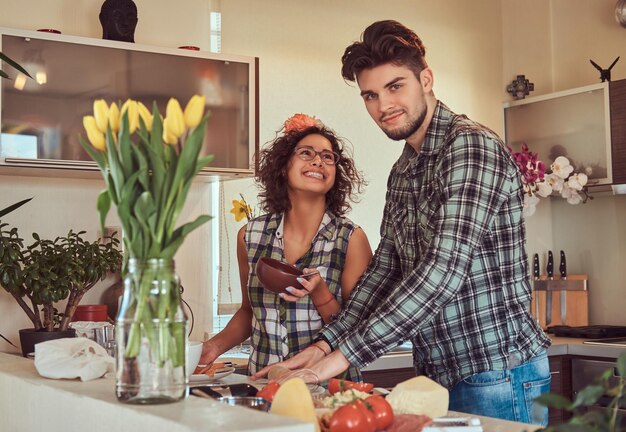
[{"x": 308, "y": 153}]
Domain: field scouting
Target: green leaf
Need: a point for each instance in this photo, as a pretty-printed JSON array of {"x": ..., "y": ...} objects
[
  {"x": 103, "y": 204},
  {"x": 554, "y": 400},
  {"x": 115, "y": 170},
  {"x": 588, "y": 396},
  {"x": 621, "y": 363},
  {"x": 125, "y": 146},
  {"x": 14, "y": 207},
  {"x": 96, "y": 155},
  {"x": 14, "y": 64},
  {"x": 202, "y": 162},
  {"x": 185, "y": 229}
]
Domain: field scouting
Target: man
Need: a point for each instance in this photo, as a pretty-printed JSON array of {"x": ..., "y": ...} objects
[{"x": 450, "y": 272}]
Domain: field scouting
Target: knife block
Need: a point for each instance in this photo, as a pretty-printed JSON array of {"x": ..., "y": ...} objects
[{"x": 576, "y": 295}]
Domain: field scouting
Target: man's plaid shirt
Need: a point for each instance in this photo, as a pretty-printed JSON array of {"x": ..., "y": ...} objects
[{"x": 451, "y": 271}]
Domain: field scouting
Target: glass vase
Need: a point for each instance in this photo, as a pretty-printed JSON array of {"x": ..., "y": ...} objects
[{"x": 151, "y": 335}]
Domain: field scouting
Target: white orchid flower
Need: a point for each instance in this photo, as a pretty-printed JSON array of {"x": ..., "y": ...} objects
[
  {"x": 555, "y": 182},
  {"x": 577, "y": 181},
  {"x": 530, "y": 205},
  {"x": 561, "y": 167},
  {"x": 544, "y": 189},
  {"x": 571, "y": 195}
]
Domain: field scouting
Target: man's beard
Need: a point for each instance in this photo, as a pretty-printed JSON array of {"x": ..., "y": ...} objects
[{"x": 408, "y": 130}]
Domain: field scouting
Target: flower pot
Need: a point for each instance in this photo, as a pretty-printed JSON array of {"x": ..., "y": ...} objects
[
  {"x": 30, "y": 337},
  {"x": 96, "y": 312},
  {"x": 151, "y": 335}
]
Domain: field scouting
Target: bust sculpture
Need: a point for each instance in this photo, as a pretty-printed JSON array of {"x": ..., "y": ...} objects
[{"x": 118, "y": 19}]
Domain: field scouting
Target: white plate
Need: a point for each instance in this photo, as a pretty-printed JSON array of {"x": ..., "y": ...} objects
[{"x": 220, "y": 373}]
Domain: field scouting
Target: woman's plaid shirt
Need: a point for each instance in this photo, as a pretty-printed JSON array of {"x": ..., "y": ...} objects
[
  {"x": 281, "y": 329},
  {"x": 450, "y": 272}
]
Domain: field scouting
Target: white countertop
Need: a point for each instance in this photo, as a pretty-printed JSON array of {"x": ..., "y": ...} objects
[{"x": 29, "y": 402}]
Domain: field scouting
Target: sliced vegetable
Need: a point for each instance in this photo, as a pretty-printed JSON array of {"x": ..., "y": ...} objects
[
  {"x": 269, "y": 391},
  {"x": 336, "y": 385}
]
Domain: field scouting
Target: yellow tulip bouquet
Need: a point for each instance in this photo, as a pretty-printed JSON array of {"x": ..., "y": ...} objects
[{"x": 148, "y": 164}]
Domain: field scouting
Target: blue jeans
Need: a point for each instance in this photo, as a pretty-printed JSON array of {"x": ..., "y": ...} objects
[{"x": 506, "y": 394}]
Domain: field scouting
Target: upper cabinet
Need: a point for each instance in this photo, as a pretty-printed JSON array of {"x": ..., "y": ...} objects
[
  {"x": 587, "y": 125},
  {"x": 42, "y": 118},
  {"x": 573, "y": 123}
]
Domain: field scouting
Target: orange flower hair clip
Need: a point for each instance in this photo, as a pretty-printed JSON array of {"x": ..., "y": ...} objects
[{"x": 300, "y": 122}]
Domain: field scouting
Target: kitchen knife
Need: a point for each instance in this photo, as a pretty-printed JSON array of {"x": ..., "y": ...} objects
[
  {"x": 536, "y": 277},
  {"x": 550, "y": 271},
  {"x": 563, "y": 292}
]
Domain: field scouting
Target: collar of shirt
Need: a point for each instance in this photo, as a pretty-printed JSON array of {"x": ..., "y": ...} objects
[
  {"x": 326, "y": 229},
  {"x": 432, "y": 141}
]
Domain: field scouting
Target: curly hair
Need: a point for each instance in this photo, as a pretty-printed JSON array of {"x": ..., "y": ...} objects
[
  {"x": 384, "y": 42},
  {"x": 272, "y": 175}
]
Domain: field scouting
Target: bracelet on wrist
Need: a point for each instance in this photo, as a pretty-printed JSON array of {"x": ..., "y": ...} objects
[
  {"x": 325, "y": 303},
  {"x": 320, "y": 348}
]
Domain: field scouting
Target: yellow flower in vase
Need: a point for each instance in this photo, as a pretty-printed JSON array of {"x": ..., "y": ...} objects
[{"x": 148, "y": 164}]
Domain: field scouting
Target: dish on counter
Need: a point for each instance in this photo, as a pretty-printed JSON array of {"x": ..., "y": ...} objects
[{"x": 219, "y": 373}]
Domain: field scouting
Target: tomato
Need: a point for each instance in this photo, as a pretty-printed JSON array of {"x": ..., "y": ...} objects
[
  {"x": 268, "y": 391},
  {"x": 368, "y": 413},
  {"x": 336, "y": 385},
  {"x": 382, "y": 411},
  {"x": 349, "y": 418}
]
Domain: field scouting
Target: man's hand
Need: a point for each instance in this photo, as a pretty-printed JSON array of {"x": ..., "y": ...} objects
[
  {"x": 307, "y": 357},
  {"x": 312, "y": 366}
]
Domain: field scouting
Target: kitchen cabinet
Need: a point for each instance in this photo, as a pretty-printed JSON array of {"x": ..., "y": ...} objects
[
  {"x": 41, "y": 119},
  {"x": 573, "y": 123},
  {"x": 388, "y": 378},
  {"x": 561, "y": 384},
  {"x": 617, "y": 90}
]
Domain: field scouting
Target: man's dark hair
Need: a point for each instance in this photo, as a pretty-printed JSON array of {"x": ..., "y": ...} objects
[
  {"x": 384, "y": 42},
  {"x": 274, "y": 162}
]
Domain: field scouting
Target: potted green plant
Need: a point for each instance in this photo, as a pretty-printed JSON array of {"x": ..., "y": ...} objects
[
  {"x": 46, "y": 272},
  {"x": 611, "y": 383}
]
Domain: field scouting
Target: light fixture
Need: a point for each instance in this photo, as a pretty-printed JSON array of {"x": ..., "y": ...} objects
[{"x": 35, "y": 65}]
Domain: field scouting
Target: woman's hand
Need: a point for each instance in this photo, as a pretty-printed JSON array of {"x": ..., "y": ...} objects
[
  {"x": 210, "y": 352},
  {"x": 312, "y": 286}
]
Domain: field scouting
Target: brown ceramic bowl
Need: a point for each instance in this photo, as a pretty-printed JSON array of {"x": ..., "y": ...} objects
[{"x": 276, "y": 275}]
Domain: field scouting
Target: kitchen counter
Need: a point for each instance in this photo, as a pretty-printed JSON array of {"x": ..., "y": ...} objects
[
  {"x": 560, "y": 346},
  {"x": 29, "y": 402}
]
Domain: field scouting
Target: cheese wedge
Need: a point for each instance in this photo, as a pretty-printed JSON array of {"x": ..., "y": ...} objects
[
  {"x": 294, "y": 400},
  {"x": 419, "y": 395}
]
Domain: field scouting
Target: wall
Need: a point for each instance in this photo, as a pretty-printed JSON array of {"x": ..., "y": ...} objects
[{"x": 551, "y": 42}]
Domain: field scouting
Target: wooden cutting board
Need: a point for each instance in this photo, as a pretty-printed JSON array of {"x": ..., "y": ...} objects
[{"x": 577, "y": 305}]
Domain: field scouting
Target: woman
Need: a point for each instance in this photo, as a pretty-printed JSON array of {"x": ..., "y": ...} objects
[{"x": 306, "y": 180}]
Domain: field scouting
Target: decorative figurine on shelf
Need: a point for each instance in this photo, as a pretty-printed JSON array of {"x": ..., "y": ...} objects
[
  {"x": 605, "y": 74},
  {"x": 520, "y": 87},
  {"x": 118, "y": 19}
]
